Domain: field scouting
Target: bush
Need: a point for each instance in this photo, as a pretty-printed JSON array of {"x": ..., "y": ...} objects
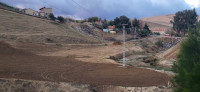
[
  {"x": 143, "y": 33},
  {"x": 156, "y": 33},
  {"x": 93, "y": 19},
  {"x": 159, "y": 43},
  {"x": 187, "y": 78},
  {"x": 52, "y": 17},
  {"x": 61, "y": 19}
]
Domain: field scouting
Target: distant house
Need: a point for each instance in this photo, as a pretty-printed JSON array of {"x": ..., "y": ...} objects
[
  {"x": 30, "y": 12},
  {"x": 111, "y": 28},
  {"x": 161, "y": 31},
  {"x": 44, "y": 12},
  {"x": 105, "y": 30},
  {"x": 112, "y": 32}
]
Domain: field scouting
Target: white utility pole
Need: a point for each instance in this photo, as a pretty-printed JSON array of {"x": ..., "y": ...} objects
[{"x": 124, "y": 46}]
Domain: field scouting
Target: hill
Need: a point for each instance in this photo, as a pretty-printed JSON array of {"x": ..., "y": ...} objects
[
  {"x": 23, "y": 28},
  {"x": 160, "y": 22}
]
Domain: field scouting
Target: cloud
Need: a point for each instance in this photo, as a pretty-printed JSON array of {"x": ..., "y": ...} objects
[
  {"x": 108, "y": 9},
  {"x": 193, "y": 3},
  {"x": 20, "y": 6}
]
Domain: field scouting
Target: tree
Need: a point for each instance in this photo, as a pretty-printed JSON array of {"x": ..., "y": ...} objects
[
  {"x": 187, "y": 78},
  {"x": 184, "y": 20},
  {"x": 121, "y": 20},
  {"x": 124, "y": 19},
  {"x": 52, "y": 17},
  {"x": 93, "y": 19},
  {"x": 143, "y": 33},
  {"x": 146, "y": 27},
  {"x": 135, "y": 23},
  {"x": 110, "y": 23},
  {"x": 116, "y": 22},
  {"x": 60, "y": 19},
  {"x": 105, "y": 25}
]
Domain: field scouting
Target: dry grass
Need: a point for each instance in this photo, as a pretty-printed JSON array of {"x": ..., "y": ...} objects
[
  {"x": 25, "y": 28},
  {"x": 19, "y": 85}
]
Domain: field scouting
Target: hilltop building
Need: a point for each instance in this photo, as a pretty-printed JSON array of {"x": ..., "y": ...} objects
[
  {"x": 30, "y": 12},
  {"x": 44, "y": 12}
]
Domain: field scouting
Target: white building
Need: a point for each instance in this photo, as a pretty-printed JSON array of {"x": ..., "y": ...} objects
[
  {"x": 30, "y": 12},
  {"x": 44, "y": 12}
]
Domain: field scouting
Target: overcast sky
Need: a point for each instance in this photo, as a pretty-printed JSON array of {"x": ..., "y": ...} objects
[{"x": 108, "y": 9}]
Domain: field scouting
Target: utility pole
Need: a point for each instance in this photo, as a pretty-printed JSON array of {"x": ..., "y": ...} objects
[
  {"x": 124, "y": 46},
  {"x": 135, "y": 35}
]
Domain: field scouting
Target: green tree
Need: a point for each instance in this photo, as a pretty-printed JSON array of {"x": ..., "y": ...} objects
[
  {"x": 135, "y": 23},
  {"x": 116, "y": 22},
  {"x": 187, "y": 78},
  {"x": 61, "y": 19},
  {"x": 105, "y": 25},
  {"x": 184, "y": 20},
  {"x": 146, "y": 27},
  {"x": 121, "y": 20},
  {"x": 110, "y": 23},
  {"x": 93, "y": 19},
  {"x": 52, "y": 17},
  {"x": 143, "y": 33},
  {"x": 124, "y": 19}
]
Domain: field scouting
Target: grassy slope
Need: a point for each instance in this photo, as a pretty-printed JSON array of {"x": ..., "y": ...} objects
[
  {"x": 162, "y": 21},
  {"x": 25, "y": 28}
]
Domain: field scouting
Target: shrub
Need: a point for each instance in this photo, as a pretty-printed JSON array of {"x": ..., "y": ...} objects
[
  {"x": 156, "y": 33},
  {"x": 52, "y": 17},
  {"x": 60, "y": 19},
  {"x": 143, "y": 33},
  {"x": 159, "y": 43}
]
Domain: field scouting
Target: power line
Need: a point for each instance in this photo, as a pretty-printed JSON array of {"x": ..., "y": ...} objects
[{"x": 82, "y": 7}]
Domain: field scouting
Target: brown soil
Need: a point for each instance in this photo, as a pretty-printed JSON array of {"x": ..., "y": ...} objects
[
  {"x": 117, "y": 43},
  {"x": 69, "y": 69}
]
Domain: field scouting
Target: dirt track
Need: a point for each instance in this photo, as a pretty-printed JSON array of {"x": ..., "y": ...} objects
[{"x": 24, "y": 65}]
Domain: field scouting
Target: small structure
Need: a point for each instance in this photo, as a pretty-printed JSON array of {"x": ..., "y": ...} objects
[
  {"x": 105, "y": 30},
  {"x": 111, "y": 28},
  {"x": 44, "y": 12},
  {"x": 112, "y": 32},
  {"x": 161, "y": 31},
  {"x": 30, "y": 12}
]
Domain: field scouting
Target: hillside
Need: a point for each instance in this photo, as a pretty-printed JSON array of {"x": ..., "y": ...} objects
[
  {"x": 160, "y": 22},
  {"x": 23, "y": 28}
]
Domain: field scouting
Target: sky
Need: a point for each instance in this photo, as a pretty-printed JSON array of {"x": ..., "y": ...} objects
[{"x": 108, "y": 9}]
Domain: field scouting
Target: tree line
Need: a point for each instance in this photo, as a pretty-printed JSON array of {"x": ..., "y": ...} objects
[{"x": 142, "y": 31}]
